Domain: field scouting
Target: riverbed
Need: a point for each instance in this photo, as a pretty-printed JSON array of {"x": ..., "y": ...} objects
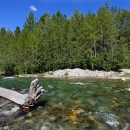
[{"x": 69, "y": 104}]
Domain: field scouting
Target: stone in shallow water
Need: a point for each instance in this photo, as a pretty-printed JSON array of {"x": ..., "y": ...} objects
[
  {"x": 77, "y": 102},
  {"x": 53, "y": 118},
  {"x": 56, "y": 118},
  {"x": 60, "y": 104},
  {"x": 102, "y": 127},
  {"x": 96, "y": 94},
  {"x": 29, "y": 114},
  {"x": 16, "y": 125},
  {"x": 7, "y": 107},
  {"x": 45, "y": 128},
  {"x": 79, "y": 111},
  {"x": 128, "y": 109},
  {"x": 36, "y": 113},
  {"x": 29, "y": 121},
  {"x": 4, "y": 121},
  {"x": 73, "y": 115},
  {"x": 103, "y": 108},
  {"x": 4, "y": 103},
  {"x": 15, "y": 108},
  {"x": 89, "y": 108},
  {"x": 127, "y": 117},
  {"x": 91, "y": 102}
]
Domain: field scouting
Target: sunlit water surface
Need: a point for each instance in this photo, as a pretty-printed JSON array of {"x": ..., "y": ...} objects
[{"x": 70, "y": 104}]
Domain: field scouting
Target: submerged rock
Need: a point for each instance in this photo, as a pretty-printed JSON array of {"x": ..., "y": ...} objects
[
  {"x": 45, "y": 128},
  {"x": 102, "y": 127},
  {"x": 73, "y": 115}
]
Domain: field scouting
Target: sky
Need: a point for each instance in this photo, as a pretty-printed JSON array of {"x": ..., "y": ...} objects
[{"x": 13, "y": 13}]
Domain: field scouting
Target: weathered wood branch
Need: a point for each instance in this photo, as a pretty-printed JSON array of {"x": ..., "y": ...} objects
[{"x": 25, "y": 101}]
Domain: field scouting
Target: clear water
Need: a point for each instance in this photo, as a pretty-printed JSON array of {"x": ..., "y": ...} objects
[{"x": 72, "y": 104}]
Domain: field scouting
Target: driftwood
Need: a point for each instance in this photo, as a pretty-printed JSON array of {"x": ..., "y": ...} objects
[{"x": 24, "y": 101}]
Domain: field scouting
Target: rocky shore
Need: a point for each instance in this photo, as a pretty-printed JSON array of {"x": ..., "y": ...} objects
[{"x": 123, "y": 74}]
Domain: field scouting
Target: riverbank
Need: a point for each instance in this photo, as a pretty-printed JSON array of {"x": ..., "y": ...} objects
[{"x": 123, "y": 74}]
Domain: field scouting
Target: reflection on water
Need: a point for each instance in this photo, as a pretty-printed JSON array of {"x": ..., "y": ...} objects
[{"x": 70, "y": 104}]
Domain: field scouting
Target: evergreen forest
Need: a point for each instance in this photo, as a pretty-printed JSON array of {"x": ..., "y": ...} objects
[{"x": 96, "y": 41}]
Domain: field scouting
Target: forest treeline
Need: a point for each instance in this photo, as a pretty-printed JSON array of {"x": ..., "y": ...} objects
[{"x": 89, "y": 41}]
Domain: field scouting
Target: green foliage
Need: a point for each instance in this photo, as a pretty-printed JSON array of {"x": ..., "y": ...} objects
[
  {"x": 92, "y": 41},
  {"x": 9, "y": 69},
  {"x": 50, "y": 73}
]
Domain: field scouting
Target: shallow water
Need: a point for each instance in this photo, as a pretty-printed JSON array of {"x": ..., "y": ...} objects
[{"x": 71, "y": 104}]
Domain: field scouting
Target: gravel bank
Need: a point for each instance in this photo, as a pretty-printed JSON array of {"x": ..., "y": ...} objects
[
  {"x": 80, "y": 73},
  {"x": 123, "y": 74}
]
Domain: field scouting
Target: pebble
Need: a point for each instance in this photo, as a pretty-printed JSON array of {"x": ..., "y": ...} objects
[{"x": 45, "y": 128}]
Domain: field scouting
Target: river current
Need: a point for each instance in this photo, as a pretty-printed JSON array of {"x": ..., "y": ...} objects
[{"x": 70, "y": 104}]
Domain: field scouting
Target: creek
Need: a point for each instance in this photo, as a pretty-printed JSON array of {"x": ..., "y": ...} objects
[{"x": 70, "y": 104}]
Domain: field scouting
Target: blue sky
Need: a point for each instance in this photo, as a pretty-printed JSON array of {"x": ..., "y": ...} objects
[{"x": 14, "y": 12}]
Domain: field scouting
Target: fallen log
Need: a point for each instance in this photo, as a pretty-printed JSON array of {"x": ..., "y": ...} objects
[{"x": 24, "y": 101}]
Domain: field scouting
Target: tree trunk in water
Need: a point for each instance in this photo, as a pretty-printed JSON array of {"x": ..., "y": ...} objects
[{"x": 24, "y": 101}]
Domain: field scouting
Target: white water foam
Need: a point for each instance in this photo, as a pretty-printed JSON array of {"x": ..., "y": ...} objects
[
  {"x": 80, "y": 83},
  {"x": 8, "y": 77},
  {"x": 49, "y": 86},
  {"x": 127, "y": 126},
  {"x": 111, "y": 120}
]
